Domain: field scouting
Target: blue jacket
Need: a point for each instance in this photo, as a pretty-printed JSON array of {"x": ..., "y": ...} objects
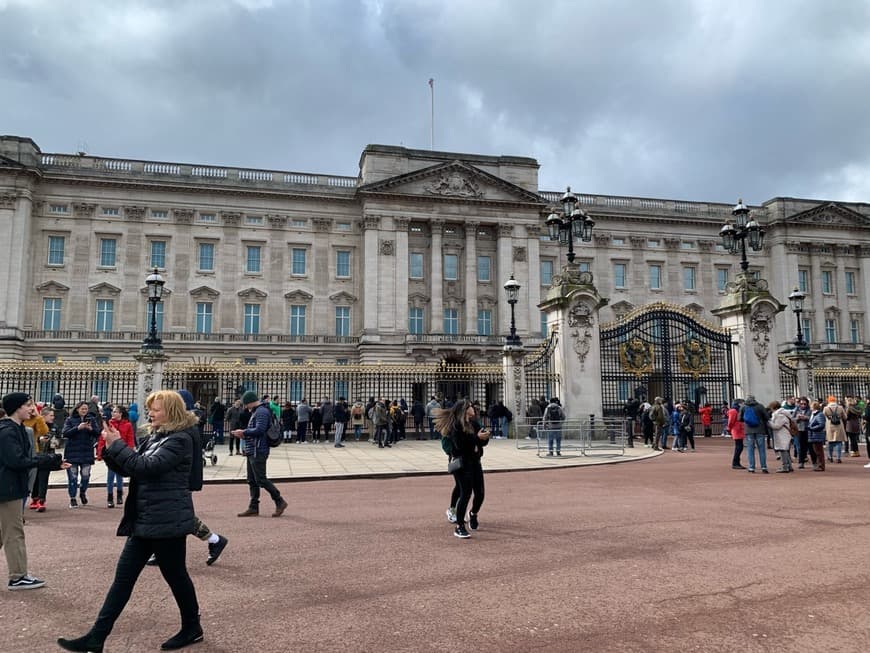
[
  {"x": 816, "y": 427},
  {"x": 79, "y": 447},
  {"x": 255, "y": 434}
]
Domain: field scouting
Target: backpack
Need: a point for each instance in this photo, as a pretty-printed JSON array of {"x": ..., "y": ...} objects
[
  {"x": 792, "y": 427},
  {"x": 835, "y": 417},
  {"x": 750, "y": 417},
  {"x": 646, "y": 417},
  {"x": 274, "y": 437},
  {"x": 555, "y": 414}
]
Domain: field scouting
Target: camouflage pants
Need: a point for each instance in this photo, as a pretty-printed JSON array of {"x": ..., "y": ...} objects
[{"x": 200, "y": 529}]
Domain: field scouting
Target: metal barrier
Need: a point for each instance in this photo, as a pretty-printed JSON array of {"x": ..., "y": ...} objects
[{"x": 584, "y": 437}]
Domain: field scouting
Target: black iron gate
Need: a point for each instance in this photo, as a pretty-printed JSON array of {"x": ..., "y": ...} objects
[
  {"x": 664, "y": 350},
  {"x": 541, "y": 377}
]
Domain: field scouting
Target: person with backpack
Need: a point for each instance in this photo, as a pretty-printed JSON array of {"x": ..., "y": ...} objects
[
  {"x": 755, "y": 418},
  {"x": 554, "y": 416},
  {"x": 257, "y": 452},
  {"x": 835, "y": 428}
]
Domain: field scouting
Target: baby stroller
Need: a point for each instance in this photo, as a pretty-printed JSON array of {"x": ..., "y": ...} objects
[{"x": 208, "y": 454}]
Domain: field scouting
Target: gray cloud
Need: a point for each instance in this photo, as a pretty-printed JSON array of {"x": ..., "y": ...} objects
[{"x": 706, "y": 99}]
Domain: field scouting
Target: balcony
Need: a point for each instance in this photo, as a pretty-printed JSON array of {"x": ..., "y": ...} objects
[
  {"x": 188, "y": 337},
  {"x": 466, "y": 340}
]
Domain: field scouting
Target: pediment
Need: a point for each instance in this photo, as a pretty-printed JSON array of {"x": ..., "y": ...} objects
[
  {"x": 205, "y": 291},
  {"x": 52, "y": 286},
  {"x": 697, "y": 309},
  {"x": 342, "y": 297},
  {"x": 454, "y": 181},
  {"x": 621, "y": 308},
  {"x": 830, "y": 214},
  {"x": 6, "y": 162},
  {"x": 298, "y": 296},
  {"x": 252, "y": 293},
  {"x": 105, "y": 288}
]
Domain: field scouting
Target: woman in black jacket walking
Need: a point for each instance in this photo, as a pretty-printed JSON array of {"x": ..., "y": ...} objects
[
  {"x": 460, "y": 424},
  {"x": 158, "y": 517}
]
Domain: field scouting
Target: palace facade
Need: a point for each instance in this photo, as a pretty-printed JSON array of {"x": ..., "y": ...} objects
[{"x": 405, "y": 262}]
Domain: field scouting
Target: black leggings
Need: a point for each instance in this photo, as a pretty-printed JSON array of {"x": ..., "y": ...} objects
[
  {"x": 470, "y": 479},
  {"x": 171, "y": 558}
]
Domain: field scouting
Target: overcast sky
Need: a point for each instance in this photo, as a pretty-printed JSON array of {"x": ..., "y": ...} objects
[{"x": 682, "y": 99}]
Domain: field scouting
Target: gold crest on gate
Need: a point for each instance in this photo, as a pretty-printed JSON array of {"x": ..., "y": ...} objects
[
  {"x": 636, "y": 356},
  {"x": 694, "y": 357}
]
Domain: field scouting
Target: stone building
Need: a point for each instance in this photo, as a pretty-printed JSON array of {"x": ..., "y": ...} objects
[{"x": 405, "y": 262}]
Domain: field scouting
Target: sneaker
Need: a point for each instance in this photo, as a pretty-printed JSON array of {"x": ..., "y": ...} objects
[
  {"x": 737, "y": 467},
  {"x": 867, "y": 466},
  {"x": 84, "y": 498},
  {"x": 558, "y": 453},
  {"x": 339, "y": 446},
  {"x": 34, "y": 504},
  {"x": 109, "y": 502},
  {"x": 152, "y": 561},
  {"x": 280, "y": 507},
  {"x": 764, "y": 470},
  {"x": 215, "y": 550},
  {"x": 73, "y": 503},
  {"x": 460, "y": 532},
  {"x": 472, "y": 521},
  {"x": 41, "y": 507},
  {"x": 451, "y": 513},
  {"x": 550, "y": 453},
  {"x": 26, "y": 582}
]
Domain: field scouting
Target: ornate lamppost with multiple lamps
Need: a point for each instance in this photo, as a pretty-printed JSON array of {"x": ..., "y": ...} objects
[{"x": 573, "y": 223}]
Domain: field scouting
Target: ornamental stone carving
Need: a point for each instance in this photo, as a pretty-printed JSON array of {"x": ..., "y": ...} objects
[
  {"x": 84, "y": 209},
  {"x": 183, "y": 216},
  {"x": 134, "y": 212},
  {"x": 706, "y": 245},
  {"x": 277, "y": 221},
  {"x": 672, "y": 243},
  {"x": 533, "y": 230},
  {"x": 322, "y": 225},
  {"x": 760, "y": 326},
  {"x": 231, "y": 218},
  {"x": 7, "y": 201},
  {"x": 387, "y": 247},
  {"x": 637, "y": 241},
  {"x": 454, "y": 184},
  {"x": 602, "y": 239},
  {"x": 436, "y": 226},
  {"x": 505, "y": 230},
  {"x": 519, "y": 254},
  {"x": 371, "y": 222},
  {"x": 580, "y": 322},
  {"x": 401, "y": 223}
]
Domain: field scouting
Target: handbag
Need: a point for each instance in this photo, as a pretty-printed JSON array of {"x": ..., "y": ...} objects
[{"x": 454, "y": 465}]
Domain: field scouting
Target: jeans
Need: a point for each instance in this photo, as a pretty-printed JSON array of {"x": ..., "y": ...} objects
[
  {"x": 301, "y": 429},
  {"x": 803, "y": 447},
  {"x": 470, "y": 479},
  {"x": 738, "y": 449},
  {"x": 339, "y": 431},
  {"x": 171, "y": 558},
  {"x": 756, "y": 441},
  {"x": 235, "y": 442},
  {"x": 257, "y": 479},
  {"x": 553, "y": 435},
  {"x": 218, "y": 432},
  {"x": 72, "y": 479},
  {"x": 835, "y": 446},
  {"x": 357, "y": 431},
  {"x": 786, "y": 460},
  {"x": 114, "y": 480},
  {"x": 432, "y": 435}
]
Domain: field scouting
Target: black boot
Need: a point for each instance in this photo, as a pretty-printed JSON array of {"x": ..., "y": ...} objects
[
  {"x": 109, "y": 502},
  {"x": 120, "y": 500},
  {"x": 189, "y": 634},
  {"x": 89, "y": 643}
]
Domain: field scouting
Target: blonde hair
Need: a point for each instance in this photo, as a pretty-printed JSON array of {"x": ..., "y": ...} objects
[
  {"x": 177, "y": 416},
  {"x": 447, "y": 420}
]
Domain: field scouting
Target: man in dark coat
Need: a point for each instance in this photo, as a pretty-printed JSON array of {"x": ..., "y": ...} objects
[{"x": 15, "y": 466}]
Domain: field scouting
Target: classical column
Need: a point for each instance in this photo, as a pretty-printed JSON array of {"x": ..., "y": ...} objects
[
  {"x": 15, "y": 207},
  {"x": 471, "y": 276},
  {"x": 436, "y": 279},
  {"x": 515, "y": 383},
  {"x": 504, "y": 250},
  {"x": 840, "y": 254},
  {"x": 533, "y": 240},
  {"x": 817, "y": 300},
  {"x": 401, "y": 225},
  {"x": 149, "y": 375},
  {"x": 370, "y": 226},
  {"x": 864, "y": 284},
  {"x": 320, "y": 255}
]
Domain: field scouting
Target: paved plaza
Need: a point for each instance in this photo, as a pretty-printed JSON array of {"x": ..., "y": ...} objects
[{"x": 675, "y": 552}]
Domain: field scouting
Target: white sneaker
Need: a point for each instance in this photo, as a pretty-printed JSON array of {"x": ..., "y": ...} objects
[
  {"x": 451, "y": 515},
  {"x": 867, "y": 466}
]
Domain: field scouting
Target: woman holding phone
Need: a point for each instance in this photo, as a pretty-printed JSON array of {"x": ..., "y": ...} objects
[{"x": 467, "y": 439}]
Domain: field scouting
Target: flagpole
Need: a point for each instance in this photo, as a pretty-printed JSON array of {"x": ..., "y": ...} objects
[{"x": 432, "y": 124}]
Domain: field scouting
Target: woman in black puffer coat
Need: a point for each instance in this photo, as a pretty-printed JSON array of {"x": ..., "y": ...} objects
[
  {"x": 158, "y": 517},
  {"x": 81, "y": 432}
]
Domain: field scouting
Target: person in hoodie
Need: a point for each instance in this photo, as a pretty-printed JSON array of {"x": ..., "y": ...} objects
[{"x": 755, "y": 427}]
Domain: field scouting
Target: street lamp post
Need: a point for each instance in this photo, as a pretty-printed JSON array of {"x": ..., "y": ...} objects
[
  {"x": 734, "y": 236},
  {"x": 796, "y": 299},
  {"x": 573, "y": 223},
  {"x": 512, "y": 291},
  {"x": 154, "y": 283}
]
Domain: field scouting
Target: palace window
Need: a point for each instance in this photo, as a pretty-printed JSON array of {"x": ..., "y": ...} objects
[
  {"x": 830, "y": 331},
  {"x": 546, "y": 273},
  {"x": 104, "y": 315},
  {"x": 342, "y": 320},
  {"x": 451, "y": 267},
  {"x": 484, "y": 322},
  {"x": 804, "y": 280},
  {"x": 204, "y": 317},
  {"x": 415, "y": 265},
  {"x": 206, "y": 257},
  {"x": 451, "y": 321},
  {"x": 158, "y": 254},
  {"x": 721, "y": 279},
  {"x": 655, "y": 277},
  {"x": 252, "y": 319},
  {"x": 484, "y": 272},
  {"x": 619, "y": 275},
  {"x": 342, "y": 264},
  {"x": 807, "y": 328},
  {"x": 689, "y": 278},
  {"x": 298, "y": 263},
  {"x": 827, "y": 282},
  {"x": 253, "y": 261},
  {"x": 108, "y": 249},
  {"x": 851, "y": 275},
  {"x": 297, "y": 320},
  {"x": 854, "y": 331},
  {"x": 51, "y": 313},
  {"x": 55, "y": 250},
  {"x": 415, "y": 321}
]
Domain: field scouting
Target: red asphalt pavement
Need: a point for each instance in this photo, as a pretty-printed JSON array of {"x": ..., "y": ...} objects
[{"x": 677, "y": 553}]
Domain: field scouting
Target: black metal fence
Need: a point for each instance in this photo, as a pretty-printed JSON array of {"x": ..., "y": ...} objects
[{"x": 115, "y": 382}]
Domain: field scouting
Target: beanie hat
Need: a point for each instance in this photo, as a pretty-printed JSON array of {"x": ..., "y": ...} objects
[
  {"x": 15, "y": 400},
  {"x": 831, "y": 400},
  {"x": 249, "y": 397},
  {"x": 188, "y": 399}
]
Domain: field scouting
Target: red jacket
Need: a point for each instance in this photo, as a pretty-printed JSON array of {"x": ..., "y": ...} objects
[
  {"x": 125, "y": 428},
  {"x": 706, "y": 413},
  {"x": 735, "y": 426}
]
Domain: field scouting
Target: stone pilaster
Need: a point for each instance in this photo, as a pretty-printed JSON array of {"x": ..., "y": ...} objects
[
  {"x": 505, "y": 253},
  {"x": 149, "y": 377},
  {"x": 533, "y": 231},
  {"x": 371, "y": 228},
  {"x": 471, "y": 276},
  {"x": 514, "y": 383},
  {"x": 401, "y": 270},
  {"x": 436, "y": 293}
]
